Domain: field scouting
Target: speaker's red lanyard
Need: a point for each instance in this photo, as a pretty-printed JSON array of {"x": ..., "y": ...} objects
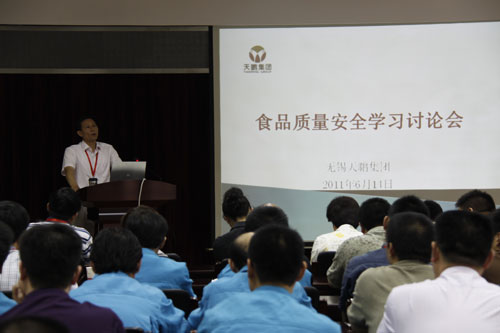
[{"x": 92, "y": 170}]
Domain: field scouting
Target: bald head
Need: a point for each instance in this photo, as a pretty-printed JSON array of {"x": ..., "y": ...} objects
[{"x": 238, "y": 251}]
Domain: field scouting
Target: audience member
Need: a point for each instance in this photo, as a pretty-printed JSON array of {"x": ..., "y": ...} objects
[
  {"x": 63, "y": 207},
  {"x": 226, "y": 287},
  {"x": 17, "y": 218},
  {"x": 50, "y": 257},
  {"x": 409, "y": 237},
  {"x": 235, "y": 208},
  {"x": 6, "y": 239},
  {"x": 116, "y": 258},
  {"x": 435, "y": 209},
  {"x": 275, "y": 263},
  {"x": 459, "y": 299},
  {"x": 492, "y": 273},
  {"x": 376, "y": 258},
  {"x": 371, "y": 218},
  {"x": 476, "y": 201},
  {"x": 342, "y": 212},
  {"x": 151, "y": 228}
]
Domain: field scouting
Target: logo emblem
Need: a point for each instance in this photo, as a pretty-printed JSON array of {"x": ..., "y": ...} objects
[{"x": 257, "y": 54}]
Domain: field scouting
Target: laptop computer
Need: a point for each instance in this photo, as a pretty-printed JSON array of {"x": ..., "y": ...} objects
[{"x": 128, "y": 170}]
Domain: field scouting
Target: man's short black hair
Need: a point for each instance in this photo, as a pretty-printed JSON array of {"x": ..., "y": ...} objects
[
  {"x": 235, "y": 204},
  {"x": 434, "y": 208},
  {"x": 147, "y": 225},
  {"x": 495, "y": 219},
  {"x": 464, "y": 238},
  {"x": 411, "y": 235},
  {"x": 343, "y": 210},
  {"x": 408, "y": 203},
  {"x": 265, "y": 215},
  {"x": 478, "y": 201},
  {"x": 50, "y": 254},
  {"x": 64, "y": 203},
  {"x": 116, "y": 250},
  {"x": 15, "y": 216},
  {"x": 80, "y": 120},
  {"x": 6, "y": 240},
  {"x": 372, "y": 212},
  {"x": 276, "y": 253},
  {"x": 238, "y": 252}
]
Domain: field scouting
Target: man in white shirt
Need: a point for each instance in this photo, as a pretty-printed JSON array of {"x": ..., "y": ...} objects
[
  {"x": 342, "y": 212},
  {"x": 459, "y": 299},
  {"x": 88, "y": 162}
]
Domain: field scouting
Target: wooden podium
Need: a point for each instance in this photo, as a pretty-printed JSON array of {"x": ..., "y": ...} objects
[{"x": 115, "y": 198}]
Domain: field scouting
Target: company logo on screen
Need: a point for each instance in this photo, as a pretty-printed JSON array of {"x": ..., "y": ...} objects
[{"x": 257, "y": 55}]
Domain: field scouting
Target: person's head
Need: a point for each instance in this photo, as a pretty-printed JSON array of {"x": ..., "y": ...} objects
[
  {"x": 463, "y": 238},
  {"x": 275, "y": 257},
  {"x": 6, "y": 240},
  {"x": 372, "y": 213},
  {"x": 265, "y": 215},
  {"x": 116, "y": 250},
  {"x": 476, "y": 201},
  {"x": 147, "y": 225},
  {"x": 495, "y": 219},
  {"x": 50, "y": 256},
  {"x": 87, "y": 129},
  {"x": 15, "y": 216},
  {"x": 434, "y": 208},
  {"x": 64, "y": 204},
  {"x": 343, "y": 210},
  {"x": 408, "y": 203},
  {"x": 409, "y": 237},
  {"x": 235, "y": 206},
  {"x": 238, "y": 251}
]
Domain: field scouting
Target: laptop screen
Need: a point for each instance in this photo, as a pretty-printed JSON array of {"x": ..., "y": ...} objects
[{"x": 128, "y": 170}]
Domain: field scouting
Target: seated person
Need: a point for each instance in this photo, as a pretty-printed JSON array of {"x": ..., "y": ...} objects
[
  {"x": 342, "y": 212},
  {"x": 275, "y": 263},
  {"x": 6, "y": 239},
  {"x": 17, "y": 218},
  {"x": 235, "y": 208},
  {"x": 259, "y": 217},
  {"x": 50, "y": 257},
  {"x": 409, "y": 237},
  {"x": 376, "y": 258},
  {"x": 371, "y": 218},
  {"x": 476, "y": 201},
  {"x": 435, "y": 209},
  {"x": 116, "y": 258},
  {"x": 459, "y": 299},
  {"x": 151, "y": 228},
  {"x": 219, "y": 290},
  {"x": 63, "y": 207},
  {"x": 492, "y": 273}
]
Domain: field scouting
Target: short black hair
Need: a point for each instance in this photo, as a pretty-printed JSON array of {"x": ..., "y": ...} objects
[
  {"x": 6, "y": 240},
  {"x": 265, "y": 215},
  {"x": 15, "y": 216},
  {"x": 147, "y": 225},
  {"x": 64, "y": 203},
  {"x": 372, "y": 212},
  {"x": 408, "y": 203},
  {"x": 235, "y": 204},
  {"x": 495, "y": 219},
  {"x": 411, "y": 235},
  {"x": 276, "y": 253},
  {"x": 116, "y": 250},
  {"x": 343, "y": 210},
  {"x": 478, "y": 201},
  {"x": 80, "y": 120},
  {"x": 238, "y": 252},
  {"x": 434, "y": 208},
  {"x": 464, "y": 238},
  {"x": 50, "y": 254}
]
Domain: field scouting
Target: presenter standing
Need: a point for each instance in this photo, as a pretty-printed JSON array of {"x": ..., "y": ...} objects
[{"x": 88, "y": 162}]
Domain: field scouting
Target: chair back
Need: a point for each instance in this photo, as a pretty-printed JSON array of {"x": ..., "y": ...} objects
[
  {"x": 325, "y": 261},
  {"x": 181, "y": 299},
  {"x": 313, "y": 293}
]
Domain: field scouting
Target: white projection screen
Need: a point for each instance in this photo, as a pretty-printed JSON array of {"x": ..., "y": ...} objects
[{"x": 359, "y": 109}]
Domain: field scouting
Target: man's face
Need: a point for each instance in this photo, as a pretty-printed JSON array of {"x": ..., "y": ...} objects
[{"x": 89, "y": 130}]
